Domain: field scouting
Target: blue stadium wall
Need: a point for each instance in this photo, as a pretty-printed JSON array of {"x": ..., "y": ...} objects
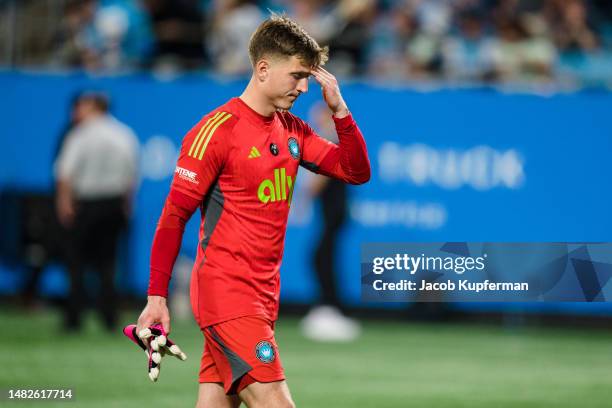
[{"x": 447, "y": 165}]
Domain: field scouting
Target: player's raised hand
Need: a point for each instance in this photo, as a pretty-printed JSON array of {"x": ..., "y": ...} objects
[{"x": 331, "y": 92}]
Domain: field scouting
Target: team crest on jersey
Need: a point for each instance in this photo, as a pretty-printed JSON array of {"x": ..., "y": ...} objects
[
  {"x": 264, "y": 351},
  {"x": 294, "y": 148}
]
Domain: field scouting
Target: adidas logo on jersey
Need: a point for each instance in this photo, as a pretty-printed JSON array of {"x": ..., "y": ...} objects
[
  {"x": 279, "y": 189},
  {"x": 254, "y": 153}
]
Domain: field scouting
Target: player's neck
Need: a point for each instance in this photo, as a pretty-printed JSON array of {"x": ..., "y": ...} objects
[{"x": 257, "y": 101}]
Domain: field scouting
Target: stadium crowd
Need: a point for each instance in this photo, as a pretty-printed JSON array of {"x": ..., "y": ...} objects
[{"x": 458, "y": 41}]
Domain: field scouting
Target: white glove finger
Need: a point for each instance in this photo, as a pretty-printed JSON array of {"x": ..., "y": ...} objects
[
  {"x": 161, "y": 340},
  {"x": 154, "y": 345},
  {"x": 145, "y": 333},
  {"x": 156, "y": 357},
  {"x": 154, "y": 374},
  {"x": 176, "y": 351},
  {"x": 154, "y": 365}
]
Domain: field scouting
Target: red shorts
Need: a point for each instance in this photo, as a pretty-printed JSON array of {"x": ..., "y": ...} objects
[{"x": 239, "y": 352}]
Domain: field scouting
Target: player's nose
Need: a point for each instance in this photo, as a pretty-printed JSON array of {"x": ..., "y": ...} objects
[{"x": 303, "y": 85}]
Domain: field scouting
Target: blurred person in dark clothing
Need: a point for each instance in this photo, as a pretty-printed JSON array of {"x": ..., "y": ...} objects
[
  {"x": 348, "y": 45},
  {"x": 96, "y": 175},
  {"x": 43, "y": 227},
  {"x": 179, "y": 34},
  {"x": 325, "y": 322},
  {"x": 573, "y": 31}
]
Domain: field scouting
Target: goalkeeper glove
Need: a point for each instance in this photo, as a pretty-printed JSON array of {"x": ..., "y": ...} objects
[{"x": 156, "y": 344}]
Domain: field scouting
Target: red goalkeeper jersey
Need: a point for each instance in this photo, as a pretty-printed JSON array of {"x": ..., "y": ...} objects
[{"x": 239, "y": 168}]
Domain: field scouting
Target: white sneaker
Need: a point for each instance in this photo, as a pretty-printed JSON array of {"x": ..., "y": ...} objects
[{"x": 328, "y": 324}]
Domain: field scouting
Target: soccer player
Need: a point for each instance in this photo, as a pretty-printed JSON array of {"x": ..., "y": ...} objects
[{"x": 239, "y": 165}]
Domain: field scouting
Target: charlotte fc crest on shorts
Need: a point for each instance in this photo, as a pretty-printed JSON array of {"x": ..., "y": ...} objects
[
  {"x": 294, "y": 148},
  {"x": 264, "y": 352}
]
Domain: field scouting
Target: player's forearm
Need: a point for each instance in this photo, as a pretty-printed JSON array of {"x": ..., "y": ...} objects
[
  {"x": 167, "y": 240},
  {"x": 349, "y": 162},
  {"x": 165, "y": 249}
]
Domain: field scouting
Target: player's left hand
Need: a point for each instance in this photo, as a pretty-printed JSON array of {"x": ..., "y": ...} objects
[
  {"x": 331, "y": 92},
  {"x": 156, "y": 344}
]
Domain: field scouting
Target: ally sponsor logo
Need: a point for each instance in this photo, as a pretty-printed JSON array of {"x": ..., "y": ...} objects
[{"x": 280, "y": 188}]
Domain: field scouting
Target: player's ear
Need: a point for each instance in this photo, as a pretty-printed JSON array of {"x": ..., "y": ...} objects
[{"x": 262, "y": 70}]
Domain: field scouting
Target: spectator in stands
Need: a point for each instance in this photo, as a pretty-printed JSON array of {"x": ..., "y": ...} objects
[
  {"x": 315, "y": 17},
  {"x": 178, "y": 27},
  {"x": 463, "y": 52},
  {"x": 515, "y": 55},
  {"x": 71, "y": 49},
  {"x": 391, "y": 34},
  {"x": 424, "y": 56},
  {"x": 572, "y": 30},
  {"x": 109, "y": 38},
  {"x": 386, "y": 39},
  {"x": 233, "y": 21},
  {"x": 348, "y": 44}
]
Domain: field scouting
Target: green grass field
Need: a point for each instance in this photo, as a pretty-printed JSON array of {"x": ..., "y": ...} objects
[{"x": 392, "y": 365}]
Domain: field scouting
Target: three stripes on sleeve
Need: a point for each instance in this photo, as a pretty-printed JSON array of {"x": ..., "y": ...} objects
[{"x": 198, "y": 147}]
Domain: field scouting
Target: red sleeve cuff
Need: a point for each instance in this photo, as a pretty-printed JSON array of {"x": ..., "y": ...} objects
[
  {"x": 155, "y": 293},
  {"x": 344, "y": 123}
]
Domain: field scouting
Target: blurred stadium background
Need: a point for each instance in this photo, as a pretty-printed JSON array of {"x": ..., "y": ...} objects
[{"x": 486, "y": 120}]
